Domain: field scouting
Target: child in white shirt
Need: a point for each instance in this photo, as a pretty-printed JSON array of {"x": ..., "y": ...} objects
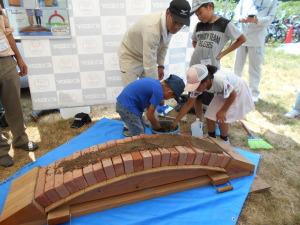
[{"x": 232, "y": 97}]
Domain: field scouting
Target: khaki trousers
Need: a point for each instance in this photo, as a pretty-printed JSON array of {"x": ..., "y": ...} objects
[{"x": 10, "y": 98}]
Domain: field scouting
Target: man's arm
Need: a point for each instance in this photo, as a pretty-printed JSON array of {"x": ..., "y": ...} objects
[
  {"x": 150, "y": 47},
  {"x": 241, "y": 39},
  {"x": 150, "y": 115},
  {"x": 18, "y": 57},
  {"x": 184, "y": 110},
  {"x": 161, "y": 55},
  {"x": 8, "y": 33},
  {"x": 266, "y": 20}
]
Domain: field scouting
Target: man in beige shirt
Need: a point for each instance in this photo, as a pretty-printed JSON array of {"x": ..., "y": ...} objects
[
  {"x": 10, "y": 57},
  {"x": 144, "y": 46}
]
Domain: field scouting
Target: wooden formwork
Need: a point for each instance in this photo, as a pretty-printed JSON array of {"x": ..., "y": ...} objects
[{"x": 117, "y": 173}]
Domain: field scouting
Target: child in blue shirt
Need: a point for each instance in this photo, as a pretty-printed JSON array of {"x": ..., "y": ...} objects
[{"x": 146, "y": 93}]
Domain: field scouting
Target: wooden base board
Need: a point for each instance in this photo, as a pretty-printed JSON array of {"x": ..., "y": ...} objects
[
  {"x": 111, "y": 202},
  {"x": 259, "y": 185},
  {"x": 20, "y": 206},
  {"x": 62, "y": 215}
]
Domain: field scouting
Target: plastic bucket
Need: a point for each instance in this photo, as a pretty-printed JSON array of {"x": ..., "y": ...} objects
[{"x": 166, "y": 123}]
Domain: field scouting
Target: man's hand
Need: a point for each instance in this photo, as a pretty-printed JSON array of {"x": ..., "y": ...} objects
[
  {"x": 221, "y": 116},
  {"x": 161, "y": 73},
  {"x": 23, "y": 67}
]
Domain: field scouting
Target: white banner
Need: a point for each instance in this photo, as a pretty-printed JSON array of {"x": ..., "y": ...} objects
[{"x": 84, "y": 70}]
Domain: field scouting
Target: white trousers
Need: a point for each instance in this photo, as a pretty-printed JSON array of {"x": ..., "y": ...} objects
[{"x": 256, "y": 58}]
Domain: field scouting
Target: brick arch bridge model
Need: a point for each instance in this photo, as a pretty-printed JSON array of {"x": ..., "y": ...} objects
[{"x": 120, "y": 172}]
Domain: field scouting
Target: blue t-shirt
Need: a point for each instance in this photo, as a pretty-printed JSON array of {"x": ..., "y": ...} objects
[{"x": 140, "y": 94}]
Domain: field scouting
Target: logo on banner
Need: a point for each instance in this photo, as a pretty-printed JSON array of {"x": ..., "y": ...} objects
[
  {"x": 94, "y": 79},
  {"x": 86, "y": 8},
  {"x": 43, "y": 83},
  {"x": 36, "y": 48},
  {"x": 89, "y": 45},
  {"x": 138, "y": 7},
  {"x": 65, "y": 64},
  {"x": 113, "y": 25}
]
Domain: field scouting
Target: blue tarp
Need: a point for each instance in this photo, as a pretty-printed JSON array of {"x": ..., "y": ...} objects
[{"x": 196, "y": 206}]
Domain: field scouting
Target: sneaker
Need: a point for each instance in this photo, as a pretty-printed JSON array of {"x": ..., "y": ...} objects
[
  {"x": 292, "y": 114},
  {"x": 30, "y": 146},
  {"x": 6, "y": 161},
  {"x": 126, "y": 132},
  {"x": 227, "y": 142}
]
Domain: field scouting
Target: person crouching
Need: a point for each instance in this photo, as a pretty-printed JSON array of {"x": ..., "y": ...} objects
[
  {"x": 145, "y": 93},
  {"x": 232, "y": 97}
]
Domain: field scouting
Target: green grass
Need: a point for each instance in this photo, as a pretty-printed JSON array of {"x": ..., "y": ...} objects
[{"x": 285, "y": 8}]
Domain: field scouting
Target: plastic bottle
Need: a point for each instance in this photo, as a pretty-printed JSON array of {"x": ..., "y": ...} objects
[{"x": 197, "y": 128}]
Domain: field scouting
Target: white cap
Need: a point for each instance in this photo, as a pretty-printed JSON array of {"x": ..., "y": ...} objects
[
  {"x": 198, "y": 3},
  {"x": 194, "y": 76}
]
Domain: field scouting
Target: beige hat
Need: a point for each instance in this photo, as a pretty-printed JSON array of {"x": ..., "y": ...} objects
[{"x": 194, "y": 76}]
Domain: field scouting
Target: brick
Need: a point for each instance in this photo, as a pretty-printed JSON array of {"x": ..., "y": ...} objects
[
  {"x": 120, "y": 141},
  {"x": 118, "y": 165},
  {"x": 99, "y": 172},
  {"x": 225, "y": 161},
  {"x": 205, "y": 158},
  {"x": 110, "y": 144},
  {"x": 60, "y": 188},
  {"x": 147, "y": 159},
  {"x": 108, "y": 168},
  {"x": 78, "y": 177},
  {"x": 219, "y": 160},
  {"x": 199, "y": 156},
  {"x": 128, "y": 139},
  {"x": 213, "y": 159},
  {"x": 182, "y": 155},
  {"x": 49, "y": 184},
  {"x": 174, "y": 157},
  {"x": 128, "y": 163},
  {"x": 68, "y": 181},
  {"x": 102, "y": 146},
  {"x": 165, "y": 156},
  {"x": 144, "y": 136},
  {"x": 85, "y": 151},
  {"x": 76, "y": 155},
  {"x": 39, "y": 193},
  {"x": 89, "y": 175},
  {"x": 137, "y": 137},
  {"x": 191, "y": 155},
  {"x": 94, "y": 148},
  {"x": 156, "y": 158},
  {"x": 138, "y": 163}
]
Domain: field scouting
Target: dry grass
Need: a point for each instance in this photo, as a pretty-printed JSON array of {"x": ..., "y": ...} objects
[{"x": 279, "y": 167}]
